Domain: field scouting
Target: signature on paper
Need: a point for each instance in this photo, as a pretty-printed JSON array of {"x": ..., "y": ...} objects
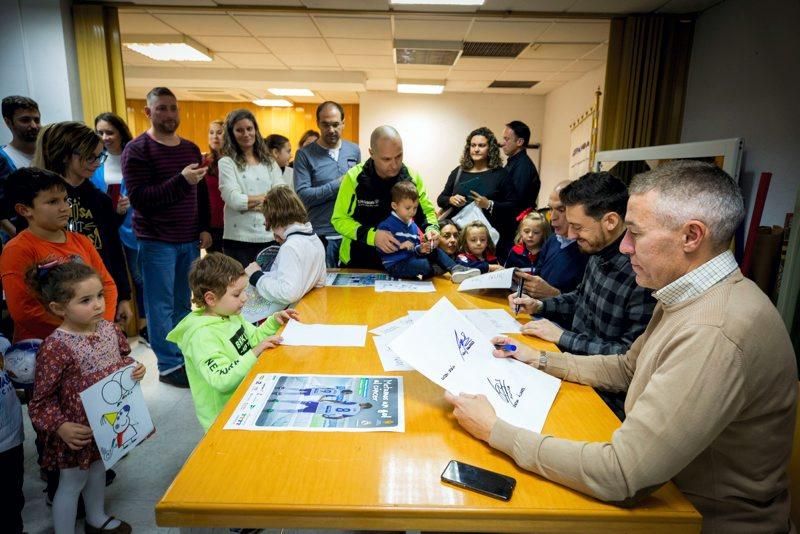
[
  {"x": 503, "y": 391},
  {"x": 463, "y": 342}
]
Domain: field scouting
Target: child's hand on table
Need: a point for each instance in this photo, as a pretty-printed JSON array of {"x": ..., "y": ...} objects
[{"x": 283, "y": 316}]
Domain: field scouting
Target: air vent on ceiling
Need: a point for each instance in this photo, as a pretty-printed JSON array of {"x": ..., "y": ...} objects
[
  {"x": 426, "y": 52},
  {"x": 476, "y": 49},
  {"x": 416, "y": 56},
  {"x": 500, "y": 84}
]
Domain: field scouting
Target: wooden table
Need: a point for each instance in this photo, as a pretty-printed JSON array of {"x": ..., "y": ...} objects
[{"x": 390, "y": 481}]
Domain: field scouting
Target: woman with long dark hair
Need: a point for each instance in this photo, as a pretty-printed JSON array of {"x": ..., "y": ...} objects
[
  {"x": 246, "y": 172},
  {"x": 481, "y": 178}
]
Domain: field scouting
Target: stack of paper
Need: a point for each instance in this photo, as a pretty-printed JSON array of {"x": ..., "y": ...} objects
[
  {"x": 385, "y": 334},
  {"x": 451, "y": 351}
]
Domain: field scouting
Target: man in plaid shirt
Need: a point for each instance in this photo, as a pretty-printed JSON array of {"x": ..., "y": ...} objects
[{"x": 608, "y": 310}]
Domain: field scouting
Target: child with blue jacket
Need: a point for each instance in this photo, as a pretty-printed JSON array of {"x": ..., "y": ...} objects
[{"x": 415, "y": 258}]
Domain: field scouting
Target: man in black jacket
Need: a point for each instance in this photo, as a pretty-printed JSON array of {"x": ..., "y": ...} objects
[{"x": 524, "y": 175}]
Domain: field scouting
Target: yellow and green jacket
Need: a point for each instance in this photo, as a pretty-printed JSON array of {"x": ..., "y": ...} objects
[{"x": 363, "y": 202}]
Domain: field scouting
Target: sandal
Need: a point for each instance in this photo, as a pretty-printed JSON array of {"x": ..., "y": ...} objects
[{"x": 122, "y": 528}]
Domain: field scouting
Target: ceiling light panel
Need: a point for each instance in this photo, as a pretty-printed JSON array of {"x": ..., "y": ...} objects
[
  {"x": 169, "y": 51},
  {"x": 417, "y": 88},
  {"x": 278, "y": 91}
]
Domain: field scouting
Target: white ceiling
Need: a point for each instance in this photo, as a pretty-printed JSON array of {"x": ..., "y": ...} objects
[{"x": 346, "y": 46}]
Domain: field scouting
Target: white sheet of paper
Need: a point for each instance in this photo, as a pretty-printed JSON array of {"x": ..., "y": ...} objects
[
  {"x": 403, "y": 286},
  {"x": 323, "y": 335},
  {"x": 117, "y": 414},
  {"x": 452, "y": 352},
  {"x": 389, "y": 359},
  {"x": 493, "y": 322},
  {"x": 396, "y": 326},
  {"x": 494, "y": 280}
]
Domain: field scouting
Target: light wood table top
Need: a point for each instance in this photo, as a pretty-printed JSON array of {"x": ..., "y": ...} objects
[{"x": 388, "y": 480}]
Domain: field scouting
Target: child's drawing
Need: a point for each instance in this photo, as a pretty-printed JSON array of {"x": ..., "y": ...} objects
[{"x": 117, "y": 414}]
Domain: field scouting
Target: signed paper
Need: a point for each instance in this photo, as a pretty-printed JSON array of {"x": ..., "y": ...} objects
[
  {"x": 452, "y": 352},
  {"x": 493, "y": 280}
]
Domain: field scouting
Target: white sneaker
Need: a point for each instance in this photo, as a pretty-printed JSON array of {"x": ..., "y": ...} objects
[{"x": 461, "y": 273}]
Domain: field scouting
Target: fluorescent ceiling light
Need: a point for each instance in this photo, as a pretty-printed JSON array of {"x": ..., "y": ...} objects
[
  {"x": 273, "y": 102},
  {"x": 438, "y": 2},
  {"x": 290, "y": 92},
  {"x": 419, "y": 88},
  {"x": 170, "y": 51}
]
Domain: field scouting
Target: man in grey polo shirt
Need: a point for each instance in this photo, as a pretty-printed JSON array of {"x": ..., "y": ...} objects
[{"x": 318, "y": 171}]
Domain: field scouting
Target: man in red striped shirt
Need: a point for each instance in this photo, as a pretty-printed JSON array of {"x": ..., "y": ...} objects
[{"x": 161, "y": 171}]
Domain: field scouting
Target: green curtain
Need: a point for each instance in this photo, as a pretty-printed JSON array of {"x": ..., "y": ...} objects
[{"x": 646, "y": 73}]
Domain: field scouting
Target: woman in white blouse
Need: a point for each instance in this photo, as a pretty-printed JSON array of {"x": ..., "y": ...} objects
[{"x": 246, "y": 172}]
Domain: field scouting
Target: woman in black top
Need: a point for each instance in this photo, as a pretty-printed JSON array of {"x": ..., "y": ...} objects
[{"x": 481, "y": 178}]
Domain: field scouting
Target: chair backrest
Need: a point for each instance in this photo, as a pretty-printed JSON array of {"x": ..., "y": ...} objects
[{"x": 794, "y": 471}]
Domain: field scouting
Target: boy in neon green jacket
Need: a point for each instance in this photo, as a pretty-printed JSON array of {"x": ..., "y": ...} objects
[{"x": 219, "y": 346}]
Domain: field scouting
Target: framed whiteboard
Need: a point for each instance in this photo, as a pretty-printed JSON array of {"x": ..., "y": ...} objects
[{"x": 726, "y": 153}]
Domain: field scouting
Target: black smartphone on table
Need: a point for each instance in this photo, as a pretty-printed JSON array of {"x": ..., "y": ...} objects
[{"x": 478, "y": 479}]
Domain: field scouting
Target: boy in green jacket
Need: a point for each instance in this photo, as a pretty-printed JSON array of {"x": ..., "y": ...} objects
[{"x": 220, "y": 347}]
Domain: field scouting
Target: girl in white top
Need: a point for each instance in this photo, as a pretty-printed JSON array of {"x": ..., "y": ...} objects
[
  {"x": 280, "y": 148},
  {"x": 300, "y": 264},
  {"x": 246, "y": 172}
]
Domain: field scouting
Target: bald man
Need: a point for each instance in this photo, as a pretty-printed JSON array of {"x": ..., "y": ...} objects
[{"x": 364, "y": 200}]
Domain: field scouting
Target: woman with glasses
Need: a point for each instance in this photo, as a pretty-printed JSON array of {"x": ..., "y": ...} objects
[
  {"x": 75, "y": 152},
  {"x": 246, "y": 172}
]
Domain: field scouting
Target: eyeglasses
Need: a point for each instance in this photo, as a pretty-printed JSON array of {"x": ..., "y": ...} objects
[{"x": 91, "y": 160}]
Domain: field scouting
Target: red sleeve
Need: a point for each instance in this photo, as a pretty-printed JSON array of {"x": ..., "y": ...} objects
[
  {"x": 31, "y": 318},
  {"x": 44, "y": 409},
  {"x": 92, "y": 257}
]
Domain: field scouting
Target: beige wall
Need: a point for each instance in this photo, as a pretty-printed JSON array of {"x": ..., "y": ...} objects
[
  {"x": 562, "y": 106},
  {"x": 435, "y": 127}
]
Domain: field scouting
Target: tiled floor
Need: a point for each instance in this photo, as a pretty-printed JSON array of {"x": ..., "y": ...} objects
[{"x": 144, "y": 475}]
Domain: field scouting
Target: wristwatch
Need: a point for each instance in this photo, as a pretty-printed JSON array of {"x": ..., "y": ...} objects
[{"x": 542, "y": 360}]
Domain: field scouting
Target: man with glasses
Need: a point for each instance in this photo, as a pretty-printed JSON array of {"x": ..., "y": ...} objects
[
  {"x": 161, "y": 173},
  {"x": 561, "y": 264},
  {"x": 318, "y": 171}
]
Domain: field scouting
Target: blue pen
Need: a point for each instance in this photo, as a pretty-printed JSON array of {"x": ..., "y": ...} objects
[{"x": 507, "y": 348}]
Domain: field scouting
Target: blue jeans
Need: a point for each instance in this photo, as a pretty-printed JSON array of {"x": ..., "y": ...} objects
[
  {"x": 332, "y": 253},
  {"x": 167, "y": 298},
  {"x": 416, "y": 266}
]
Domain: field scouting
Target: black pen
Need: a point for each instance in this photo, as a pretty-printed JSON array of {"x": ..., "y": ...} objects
[{"x": 519, "y": 295}]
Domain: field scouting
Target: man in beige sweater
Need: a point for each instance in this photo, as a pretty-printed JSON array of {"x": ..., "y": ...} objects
[{"x": 712, "y": 382}]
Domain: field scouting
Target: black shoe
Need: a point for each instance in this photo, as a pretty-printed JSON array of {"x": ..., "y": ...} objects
[
  {"x": 176, "y": 378},
  {"x": 143, "y": 337}
]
